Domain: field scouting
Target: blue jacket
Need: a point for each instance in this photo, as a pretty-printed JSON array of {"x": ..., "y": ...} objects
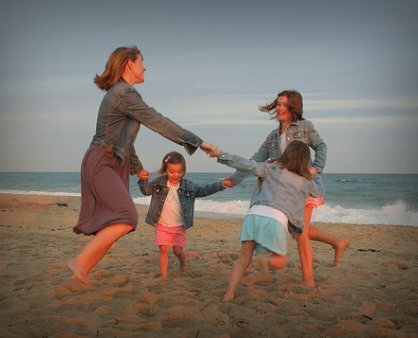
[
  {"x": 187, "y": 193},
  {"x": 121, "y": 114},
  {"x": 302, "y": 130},
  {"x": 278, "y": 188}
]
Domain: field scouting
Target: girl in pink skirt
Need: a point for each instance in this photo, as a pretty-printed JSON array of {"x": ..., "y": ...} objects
[{"x": 172, "y": 206}]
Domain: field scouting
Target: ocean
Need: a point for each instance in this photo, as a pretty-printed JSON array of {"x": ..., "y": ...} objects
[{"x": 350, "y": 198}]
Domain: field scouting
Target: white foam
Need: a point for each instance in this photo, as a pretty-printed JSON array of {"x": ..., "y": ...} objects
[{"x": 391, "y": 214}]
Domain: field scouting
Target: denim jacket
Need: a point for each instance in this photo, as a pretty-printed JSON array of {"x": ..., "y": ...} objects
[
  {"x": 278, "y": 188},
  {"x": 121, "y": 114},
  {"x": 187, "y": 193},
  {"x": 302, "y": 130}
]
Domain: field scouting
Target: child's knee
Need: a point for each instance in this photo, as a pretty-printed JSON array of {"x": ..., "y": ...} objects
[
  {"x": 163, "y": 250},
  {"x": 178, "y": 251},
  {"x": 278, "y": 262}
]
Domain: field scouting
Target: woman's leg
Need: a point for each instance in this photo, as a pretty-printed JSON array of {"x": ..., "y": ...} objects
[
  {"x": 316, "y": 234},
  {"x": 244, "y": 260},
  {"x": 178, "y": 251},
  {"x": 163, "y": 260},
  {"x": 94, "y": 251}
]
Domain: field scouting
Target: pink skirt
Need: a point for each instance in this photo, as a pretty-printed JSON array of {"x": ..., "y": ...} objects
[
  {"x": 314, "y": 202},
  {"x": 171, "y": 236}
]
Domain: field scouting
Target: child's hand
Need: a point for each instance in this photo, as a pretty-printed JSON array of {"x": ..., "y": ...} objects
[
  {"x": 312, "y": 170},
  {"x": 143, "y": 175},
  {"x": 210, "y": 149},
  {"x": 227, "y": 182}
]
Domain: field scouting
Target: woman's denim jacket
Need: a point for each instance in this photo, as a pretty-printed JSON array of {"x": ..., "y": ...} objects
[
  {"x": 187, "y": 193},
  {"x": 302, "y": 130},
  {"x": 278, "y": 188},
  {"x": 121, "y": 114}
]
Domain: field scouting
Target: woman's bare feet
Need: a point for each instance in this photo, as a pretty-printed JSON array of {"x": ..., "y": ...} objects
[
  {"x": 78, "y": 275},
  {"x": 340, "y": 247}
]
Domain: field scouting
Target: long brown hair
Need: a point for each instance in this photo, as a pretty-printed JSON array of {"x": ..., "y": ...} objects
[
  {"x": 296, "y": 158},
  {"x": 295, "y": 105},
  {"x": 115, "y": 66},
  {"x": 172, "y": 158}
]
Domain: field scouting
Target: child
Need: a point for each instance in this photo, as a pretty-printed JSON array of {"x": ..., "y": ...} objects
[
  {"x": 172, "y": 206},
  {"x": 277, "y": 205}
]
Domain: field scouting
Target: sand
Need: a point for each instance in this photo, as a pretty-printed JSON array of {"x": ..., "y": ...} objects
[{"x": 373, "y": 292}]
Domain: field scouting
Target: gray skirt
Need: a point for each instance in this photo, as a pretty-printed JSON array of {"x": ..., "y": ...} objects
[{"x": 105, "y": 198}]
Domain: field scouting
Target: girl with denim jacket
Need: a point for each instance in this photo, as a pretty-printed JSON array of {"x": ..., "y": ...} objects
[
  {"x": 287, "y": 107},
  {"x": 107, "y": 210},
  {"x": 172, "y": 206},
  {"x": 277, "y": 202}
]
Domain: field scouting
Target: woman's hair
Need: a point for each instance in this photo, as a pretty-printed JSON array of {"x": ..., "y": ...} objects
[
  {"x": 115, "y": 66},
  {"x": 296, "y": 158},
  {"x": 172, "y": 158},
  {"x": 295, "y": 105}
]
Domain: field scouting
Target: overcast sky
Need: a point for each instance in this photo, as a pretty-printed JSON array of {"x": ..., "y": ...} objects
[{"x": 210, "y": 64}]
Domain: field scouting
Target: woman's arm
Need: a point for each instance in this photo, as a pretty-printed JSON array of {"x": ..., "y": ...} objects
[{"x": 133, "y": 106}]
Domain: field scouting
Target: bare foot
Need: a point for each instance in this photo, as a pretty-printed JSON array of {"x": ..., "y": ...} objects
[
  {"x": 341, "y": 246},
  {"x": 228, "y": 297},
  {"x": 77, "y": 274},
  {"x": 309, "y": 283}
]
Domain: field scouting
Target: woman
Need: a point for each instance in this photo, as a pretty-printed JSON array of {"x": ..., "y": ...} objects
[
  {"x": 287, "y": 107},
  {"x": 107, "y": 210}
]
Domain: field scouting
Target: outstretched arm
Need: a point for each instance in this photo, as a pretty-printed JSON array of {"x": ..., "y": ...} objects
[{"x": 210, "y": 149}]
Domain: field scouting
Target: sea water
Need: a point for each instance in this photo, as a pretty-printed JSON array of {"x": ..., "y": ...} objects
[{"x": 350, "y": 198}]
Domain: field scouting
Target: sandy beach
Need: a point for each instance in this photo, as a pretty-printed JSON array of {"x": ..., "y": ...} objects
[{"x": 373, "y": 292}]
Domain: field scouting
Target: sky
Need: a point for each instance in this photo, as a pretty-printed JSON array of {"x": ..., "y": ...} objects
[{"x": 209, "y": 66}]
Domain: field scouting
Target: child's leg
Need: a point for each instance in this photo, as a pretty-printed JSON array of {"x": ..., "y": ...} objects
[
  {"x": 178, "y": 251},
  {"x": 277, "y": 262},
  {"x": 163, "y": 260},
  {"x": 315, "y": 234},
  {"x": 306, "y": 257},
  {"x": 274, "y": 261},
  {"x": 94, "y": 251},
  {"x": 244, "y": 260}
]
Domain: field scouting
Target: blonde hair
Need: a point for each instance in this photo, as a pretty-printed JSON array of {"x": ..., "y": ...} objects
[{"x": 115, "y": 66}]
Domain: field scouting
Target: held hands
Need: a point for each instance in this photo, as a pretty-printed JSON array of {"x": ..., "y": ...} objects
[
  {"x": 143, "y": 175},
  {"x": 227, "y": 182},
  {"x": 312, "y": 170},
  {"x": 210, "y": 149}
]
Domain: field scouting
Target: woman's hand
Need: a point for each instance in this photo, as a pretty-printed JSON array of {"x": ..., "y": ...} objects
[{"x": 210, "y": 149}]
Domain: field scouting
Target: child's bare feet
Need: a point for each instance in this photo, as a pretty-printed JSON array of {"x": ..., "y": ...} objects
[
  {"x": 341, "y": 246},
  {"x": 309, "y": 283},
  {"x": 78, "y": 275},
  {"x": 228, "y": 297}
]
